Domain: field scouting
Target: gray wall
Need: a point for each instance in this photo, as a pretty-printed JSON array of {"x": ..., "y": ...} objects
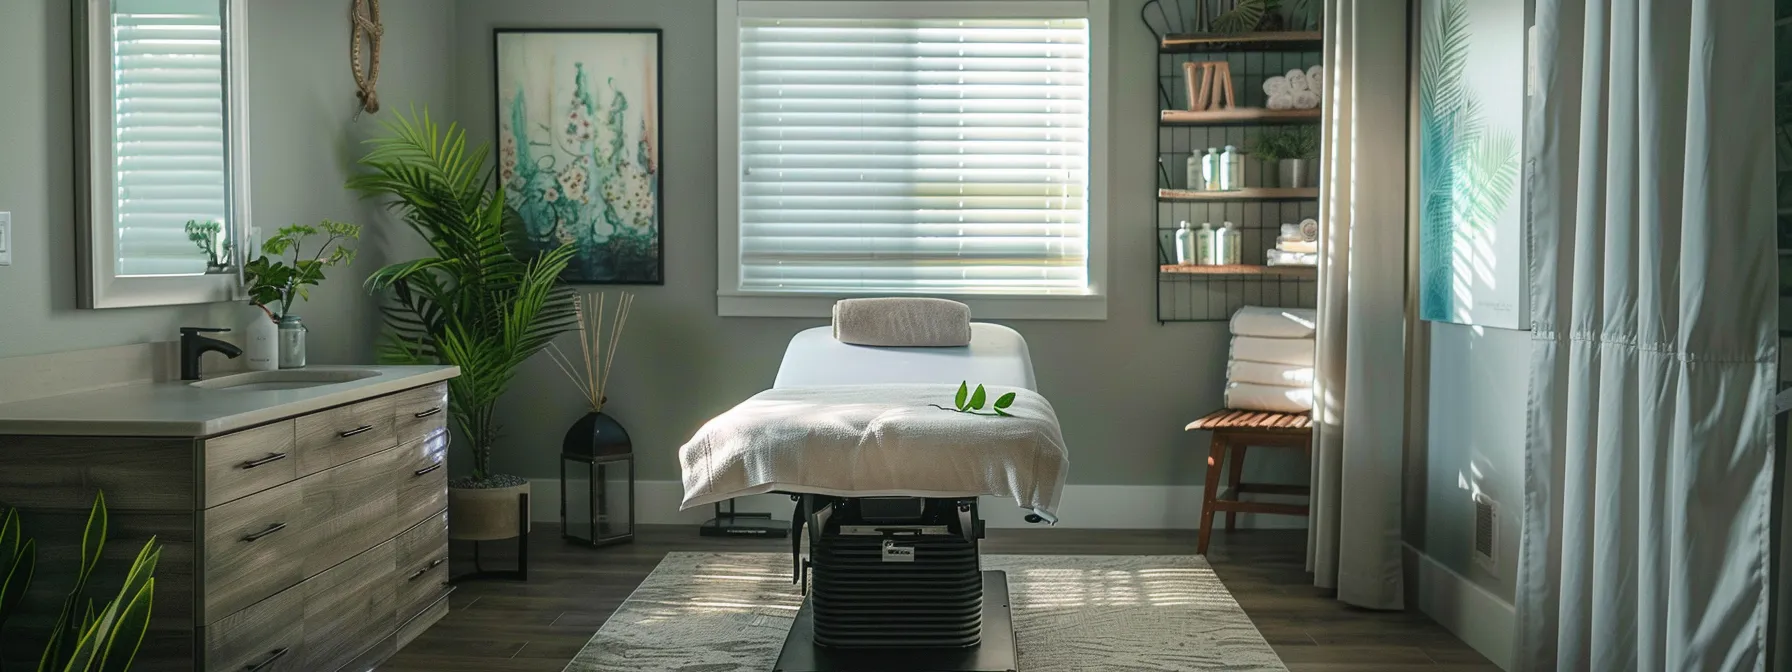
[
  {"x": 1123, "y": 387},
  {"x": 1479, "y": 383},
  {"x": 303, "y": 143}
]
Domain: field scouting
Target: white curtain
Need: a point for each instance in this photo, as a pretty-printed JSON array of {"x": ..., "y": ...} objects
[
  {"x": 1359, "y": 385},
  {"x": 1650, "y": 182}
]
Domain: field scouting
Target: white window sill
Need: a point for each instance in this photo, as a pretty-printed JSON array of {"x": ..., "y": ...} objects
[{"x": 1042, "y": 307}]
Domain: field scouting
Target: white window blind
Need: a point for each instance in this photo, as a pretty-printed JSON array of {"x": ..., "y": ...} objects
[
  {"x": 169, "y": 141},
  {"x": 914, "y": 155}
]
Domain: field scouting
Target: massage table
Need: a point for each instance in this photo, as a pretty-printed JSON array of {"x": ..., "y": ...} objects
[{"x": 893, "y": 519}]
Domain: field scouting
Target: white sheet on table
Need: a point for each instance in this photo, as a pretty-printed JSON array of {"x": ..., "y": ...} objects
[
  {"x": 996, "y": 356},
  {"x": 878, "y": 441}
]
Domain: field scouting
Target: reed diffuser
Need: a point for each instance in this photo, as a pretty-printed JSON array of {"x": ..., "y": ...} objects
[{"x": 600, "y": 324}]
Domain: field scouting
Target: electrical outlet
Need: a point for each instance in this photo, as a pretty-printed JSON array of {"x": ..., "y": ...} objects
[
  {"x": 5, "y": 239},
  {"x": 1487, "y": 533}
]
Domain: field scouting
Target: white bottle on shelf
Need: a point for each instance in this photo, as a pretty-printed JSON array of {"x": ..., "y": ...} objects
[
  {"x": 1185, "y": 245},
  {"x": 1234, "y": 245},
  {"x": 1222, "y": 238},
  {"x": 1204, "y": 245},
  {"x": 1195, "y": 181},
  {"x": 1210, "y": 169},
  {"x": 1231, "y": 169}
]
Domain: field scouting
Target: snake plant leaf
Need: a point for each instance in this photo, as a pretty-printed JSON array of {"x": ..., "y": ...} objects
[
  {"x": 127, "y": 631},
  {"x": 1004, "y": 401},
  {"x": 16, "y": 578},
  {"x": 964, "y": 391},
  {"x": 977, "y": 398},
  {"x": 94, "y": 541}
]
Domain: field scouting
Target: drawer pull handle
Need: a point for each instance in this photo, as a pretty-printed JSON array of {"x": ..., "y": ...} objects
[
  {"x": 357, "y": 430},
  {"x": 272, "y": 457},
  {"x": 425, "y": 414},
  {"x": 274, "y": 655},
  {"x": 425, "y": 570},
  {"x": 276, "y": 527},
  {"x": 427, "y": 469}
]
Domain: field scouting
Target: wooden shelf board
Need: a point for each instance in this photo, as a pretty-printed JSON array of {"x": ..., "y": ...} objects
[
  {"x": 1239, "y": 269},
  {"x": 1288, "y": 40},
  {"x": 1246, "y": 194},
  {"x": 1237, "y": 115}
]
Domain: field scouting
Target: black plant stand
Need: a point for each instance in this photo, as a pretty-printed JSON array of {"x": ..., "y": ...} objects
[{"x": 521, "y": 573}]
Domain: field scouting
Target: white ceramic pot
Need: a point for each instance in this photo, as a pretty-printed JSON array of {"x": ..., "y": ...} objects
[{"x": 485, "y": 514}]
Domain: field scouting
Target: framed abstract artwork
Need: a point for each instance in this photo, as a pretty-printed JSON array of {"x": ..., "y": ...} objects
[{"x": 578, "y": 127}]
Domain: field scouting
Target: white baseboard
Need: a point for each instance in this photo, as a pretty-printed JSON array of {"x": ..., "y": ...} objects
[
  {"x": 1479, "y": 618},
  {"x": 1119, "y": 507}
]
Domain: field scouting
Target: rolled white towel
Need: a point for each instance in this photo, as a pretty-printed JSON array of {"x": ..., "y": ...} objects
[
  {"x": 1249, "y": 397},
  {"x": 902, "y": 322},
  {"x": 1291, "y": 351},
  {"x": 1316, "y": 79},
  {"x": 1274, "y": 322},
  {"x": 1297, "y": 80},
  {"x": 1276, "y": 86},
  {"x": 1281, "y": 102},
  {"x": 1260, "y": 373},
  {"x": 1306, "y": 100}
]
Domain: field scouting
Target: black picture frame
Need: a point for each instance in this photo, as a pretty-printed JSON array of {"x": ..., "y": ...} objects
[{"x": 613, "y": 261}]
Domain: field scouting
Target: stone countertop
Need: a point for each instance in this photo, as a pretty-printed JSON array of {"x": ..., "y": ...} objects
[{"x": 176, "y": 408}]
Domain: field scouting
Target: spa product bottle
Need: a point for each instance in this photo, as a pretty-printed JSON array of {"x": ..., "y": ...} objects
[
  {"x": 1234, "y": 244},
  {"x": 1210, "y": 169},
  {"x": 1185, "y": 245},
  {"x": 261, "y": 340},
  {"x": 1220, "y": 241},
  {"x": 1195, "y": 181},
  {"x": 1231, "y": 169},
  {"x": 1204, "y": 245}
]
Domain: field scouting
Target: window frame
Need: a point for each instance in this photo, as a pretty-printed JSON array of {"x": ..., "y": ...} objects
[{"x": 732, "y": 301}]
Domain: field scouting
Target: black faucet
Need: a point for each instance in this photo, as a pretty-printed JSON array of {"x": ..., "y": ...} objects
[{"x": 192, "y": 345}]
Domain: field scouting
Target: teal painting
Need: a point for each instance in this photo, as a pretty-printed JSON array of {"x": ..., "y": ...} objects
[
  {"x": 579, "y": 147},
  {"x": 1472, "y": 267}
]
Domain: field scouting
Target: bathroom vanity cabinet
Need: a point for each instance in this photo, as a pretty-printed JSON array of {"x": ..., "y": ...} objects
[{"x": 314, "y": 541}]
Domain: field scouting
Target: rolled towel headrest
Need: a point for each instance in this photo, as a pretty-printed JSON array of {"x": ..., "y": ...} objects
[{"x": 902, "y": 322}]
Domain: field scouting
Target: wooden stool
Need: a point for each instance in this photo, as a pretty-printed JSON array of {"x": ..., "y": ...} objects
[{"x": 1234, "y": 431}]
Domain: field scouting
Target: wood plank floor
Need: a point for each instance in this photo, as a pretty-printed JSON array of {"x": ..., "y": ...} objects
[{"x": 504, "y": 626}]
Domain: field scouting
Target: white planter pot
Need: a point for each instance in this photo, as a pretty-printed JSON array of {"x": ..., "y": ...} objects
[{"x": 485, "y": 514}]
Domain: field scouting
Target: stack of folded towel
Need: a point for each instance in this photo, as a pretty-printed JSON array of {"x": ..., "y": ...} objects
[
  {"x": 1271, "y": 367},
  {"x": 1297, "y": 90},
  {"x": 1297, "y": 246}
]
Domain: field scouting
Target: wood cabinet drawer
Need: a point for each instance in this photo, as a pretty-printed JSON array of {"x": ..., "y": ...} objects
[
  {"x": 248, "y": 462},
  {"x": 422, "y": 576},
  {"x": 409, "y": 631},
  {"x": 422, "y": 478},
  {"x": 349, "y": 509},
  {"x": 254, "y": 547},
  {"x": 421, "y": 411},
  {"x": 348, "y": 607},
  {"x": 267, "y": 637},
  {"x": 336, "y": 436}
]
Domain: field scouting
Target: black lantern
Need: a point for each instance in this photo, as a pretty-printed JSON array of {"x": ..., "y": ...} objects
[{"x": 601, "y": 443}]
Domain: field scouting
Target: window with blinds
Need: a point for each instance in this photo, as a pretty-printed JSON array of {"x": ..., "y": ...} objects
[
  {"x": 168, "y": 138},
  {"x": 913, "y": 155}
]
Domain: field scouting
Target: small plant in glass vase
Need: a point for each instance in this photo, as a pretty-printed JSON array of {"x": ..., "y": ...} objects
[{"x": 274, "y": 283}]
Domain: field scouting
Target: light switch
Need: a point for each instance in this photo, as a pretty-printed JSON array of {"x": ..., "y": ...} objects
[{"x": 5, "y": 239}]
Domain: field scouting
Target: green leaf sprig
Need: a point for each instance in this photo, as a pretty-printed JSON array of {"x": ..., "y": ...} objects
[
  {"x": 274, "y": 284},
  {"x": 971, "y": 403}
]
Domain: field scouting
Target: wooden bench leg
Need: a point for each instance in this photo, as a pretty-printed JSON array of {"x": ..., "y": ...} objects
[
  {"x": 1216, "y": 460},
  {"x": 1235, "y": 476}
]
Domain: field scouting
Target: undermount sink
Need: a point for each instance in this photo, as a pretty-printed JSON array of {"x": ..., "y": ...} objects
[{"x": 287, "y": 379}]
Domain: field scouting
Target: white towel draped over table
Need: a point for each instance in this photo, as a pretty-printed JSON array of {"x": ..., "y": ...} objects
[{"x": 879, "y": 441}]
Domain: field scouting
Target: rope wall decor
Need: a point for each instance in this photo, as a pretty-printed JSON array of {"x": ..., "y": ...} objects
[{"x": 364, "y": 18}]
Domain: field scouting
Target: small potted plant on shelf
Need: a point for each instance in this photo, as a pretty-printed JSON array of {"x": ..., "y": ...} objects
[
  {"x": 1295, "y": 151},
  {"x": 274, "y": 284},
  {"x": 209, "y": 236},
  {"x": 475, "y": 304}
]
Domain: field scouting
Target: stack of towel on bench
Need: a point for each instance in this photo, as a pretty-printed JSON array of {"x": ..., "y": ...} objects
[{"x": 1271, "y": 367}]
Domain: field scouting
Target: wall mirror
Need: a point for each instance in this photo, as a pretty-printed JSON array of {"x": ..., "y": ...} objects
[{"x": 161, "y": 158}]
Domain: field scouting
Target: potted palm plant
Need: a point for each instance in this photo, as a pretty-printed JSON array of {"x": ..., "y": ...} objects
[{"x": 477, "y": 304}]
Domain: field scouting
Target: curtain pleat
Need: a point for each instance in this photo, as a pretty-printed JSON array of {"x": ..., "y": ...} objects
[
  {"x": 1359, "y": 389},
  {"x": 1650, "y": 204}
]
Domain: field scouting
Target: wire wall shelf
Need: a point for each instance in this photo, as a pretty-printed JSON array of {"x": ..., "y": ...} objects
[{"x": 1213, "y": 293}]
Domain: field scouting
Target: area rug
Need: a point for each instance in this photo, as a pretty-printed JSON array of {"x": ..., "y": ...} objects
[{"x": 729, "y": 612}]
